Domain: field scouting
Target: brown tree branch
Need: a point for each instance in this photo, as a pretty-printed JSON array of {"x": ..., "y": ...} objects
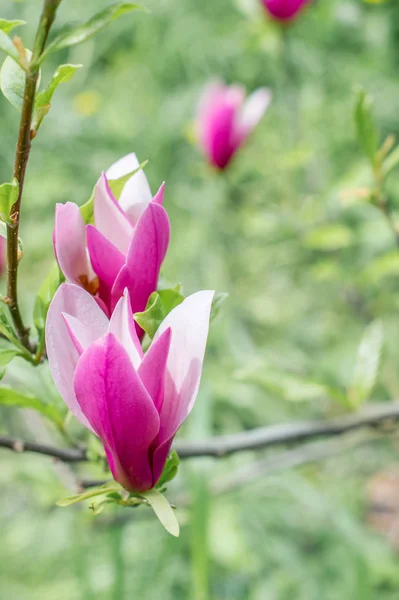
[
  {"x": 379, "y": 415},
  {"x": 21, "y": 162}
]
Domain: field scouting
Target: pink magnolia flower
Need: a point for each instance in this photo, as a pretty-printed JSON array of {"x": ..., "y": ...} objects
[
  {"x": 133, "y": 402},
  {"x": 226, "y": 118},
  {"x": 284, "y": 10},
  {"x": 126, "y": 245}
]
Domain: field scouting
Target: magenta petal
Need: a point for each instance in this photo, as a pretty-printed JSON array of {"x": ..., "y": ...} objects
[
  {"x": 159, "y": 196},
  {"x": 159, "y": 457},
  {"x": 61, "y": 351},
  {"x": 144, "y": 259},
  {"x": 284, "y": 10},
  {"x": 109, "y": 218},
  {"x": 217, "y": 115},
  {"x": 70, "y": 243},
  {"x": 105, "y": 258},
  {"x": 153, "y": 367},
  {"x": 120, "y": 410}
]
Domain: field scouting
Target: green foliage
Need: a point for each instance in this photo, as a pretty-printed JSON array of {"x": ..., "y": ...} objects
[
  {"x": 82, "y": 33},
  {"x": 158, "y": 307},
  {"x": 106, "y": 488},
  {"x": 367, "y": 365},
  {"x": 8, "y": 196},
  {"x": 367, "y": 131},
  {"x": 7, "y": 26},
  {"x": 7, "y": 46},
  {"x": 170, "y": 469},
  {"x": 63, "y": 74},
  {"x": 11, "y": 397},
  {"x": 163, "y": 511},
  {"x": 12, "y": 81}
]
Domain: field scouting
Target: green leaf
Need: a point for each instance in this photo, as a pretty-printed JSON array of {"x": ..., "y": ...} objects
[
  {"x": 367, "y": 365},
  {"x": 8, "y": 196},
  {"x": 366, "y": 128},
  {"x": 158, "y": 307},
  {"x": 7, "y": 26},
  {"x": 81, "y": 33},
  {"x": 391, "y": 162},
  {"x": 329, "y": 237},
  {"x": 110, "y": 486},
  {"x": 6, "y": 356},
  {"x": 10, "y": 397},
  {"x": 8, "y": 47},
  {"x": 46, "y": 293},
  {"x": 163, "y": 511},
  {"x": 63, "y": 74},
  {"x": 12, "y": 81},
  {"x": 218, "y": 299},
  {"x": 170, "y": 469}
]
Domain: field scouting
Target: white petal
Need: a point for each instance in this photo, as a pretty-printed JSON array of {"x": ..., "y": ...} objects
[
  {"x": 189, "y": 323},
  {"x": 61, "y": 351},
  {"x": 109, "y": 218},
  {"x": 252, "y": 111},
  {"x": 122, "y": 325},
  {"x": 136, "y": 194}
]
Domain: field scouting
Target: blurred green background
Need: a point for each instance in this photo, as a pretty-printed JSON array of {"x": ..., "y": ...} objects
[{"x": 306, "y": 263}]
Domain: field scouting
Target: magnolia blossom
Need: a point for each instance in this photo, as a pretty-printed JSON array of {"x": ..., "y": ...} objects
[
  {"x": 226, "y": 118},
  {"x": 125, "y": 246},
  {"x": 133, "y": 402},
  {"x": 284, "y": 10}
]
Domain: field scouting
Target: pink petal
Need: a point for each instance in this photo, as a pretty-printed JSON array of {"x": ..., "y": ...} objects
[
  {"x": 109, "y": 218},
  {"x": 105, "y": 257},
  {"x": 189, "y": 323},
  {"x": 121, "y": 412},
  {"x": 159, "y": 196},
  {"x": 144, "y": 259},
  {"x": 284, "y": 10},
  {"x": 251, "y": 113},
  {"x": 136, "y": 194},
  {"x": 153, "y": 368},
  {"x": 216, "y": 117},
  {"x": 62, "y": 354},
  {"x": 122, "y": 325},
  {"x": 70, "y": 243}
]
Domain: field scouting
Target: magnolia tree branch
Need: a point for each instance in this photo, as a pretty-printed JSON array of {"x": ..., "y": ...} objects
[
  {"x": 381, "y": 416},
  {"x": 21, "y": 161},
  {"x": 288, "y": 433}
]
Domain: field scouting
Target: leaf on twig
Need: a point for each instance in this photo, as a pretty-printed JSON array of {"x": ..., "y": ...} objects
[
  {"x": 76, "y": 35},
  {"x": 367, "y": 365},
  {"x": 10, "y": 397},
  {"x": 163, "y": 511},
  {"x": 63, "y": 74},
  {"x": 8, "y": 196}
]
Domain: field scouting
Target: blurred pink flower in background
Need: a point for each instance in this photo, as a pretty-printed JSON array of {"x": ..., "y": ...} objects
[
  {"x": 284, "y": 10},
  {"x": 123, "y": 248},
  {"x": 134, "y": 402},
  {"x": 225, "y": 119}
]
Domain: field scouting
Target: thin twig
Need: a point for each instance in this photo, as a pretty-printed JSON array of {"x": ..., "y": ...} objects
[
  {"x": 288, "y": 433},
  {"x": 308, "y": 453},
  {"x": 374, "y": 415},
  {"x": 69, "y": 455},
  {"x": 21, "y": 161}
]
